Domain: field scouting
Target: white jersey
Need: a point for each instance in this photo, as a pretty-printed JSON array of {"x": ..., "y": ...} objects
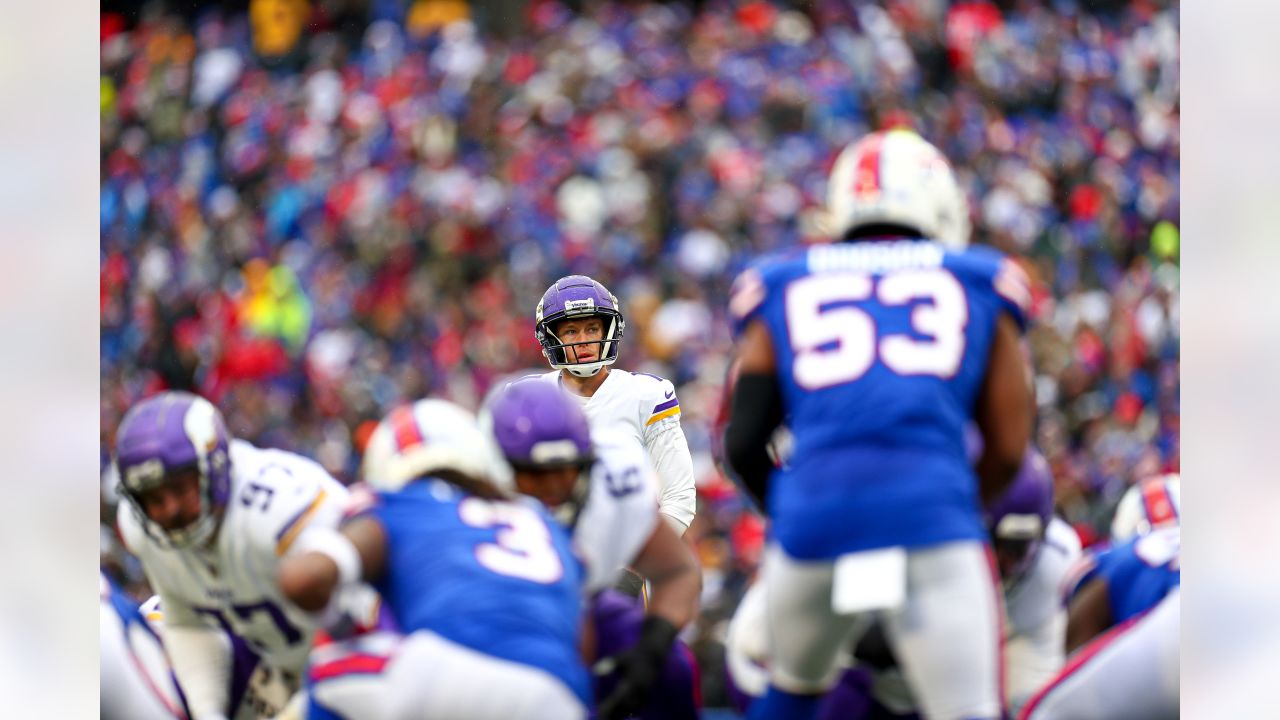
[
  {"x": 645, "y": 407},
  {"x": 231, "y": 586},
  {"x": 621, "y": 510}
]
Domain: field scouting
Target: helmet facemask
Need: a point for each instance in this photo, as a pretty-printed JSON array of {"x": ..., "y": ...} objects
[
  {"x": 557, "y": 351},
  {"x": 170, "y": 434}
]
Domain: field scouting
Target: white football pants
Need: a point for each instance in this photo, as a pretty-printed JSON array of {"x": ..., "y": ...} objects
[
  {"x": 422, "y": 675},
  {"x": 946, "y": 634}
]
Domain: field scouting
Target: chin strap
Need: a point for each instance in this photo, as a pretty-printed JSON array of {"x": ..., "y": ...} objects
[{"x": 584, "y": 370}]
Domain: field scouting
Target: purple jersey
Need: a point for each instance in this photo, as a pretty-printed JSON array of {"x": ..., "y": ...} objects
[{"x": 881, "y": 350}]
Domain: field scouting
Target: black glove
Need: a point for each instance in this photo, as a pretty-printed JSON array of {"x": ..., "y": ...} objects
[{"x": 638, "y": 668}]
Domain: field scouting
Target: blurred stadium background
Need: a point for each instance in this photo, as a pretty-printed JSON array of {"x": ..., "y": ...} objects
[{"x": 312, "y": 211}]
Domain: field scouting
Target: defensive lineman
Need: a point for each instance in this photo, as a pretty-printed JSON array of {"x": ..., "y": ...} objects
[{"x": 210, "y": 518}]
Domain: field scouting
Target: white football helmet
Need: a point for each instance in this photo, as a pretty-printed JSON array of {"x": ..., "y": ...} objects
[
  {"x": 431, "y": 436},
  {"x": 897, "y": 177},
  {"x": 1148, "y": 505}
]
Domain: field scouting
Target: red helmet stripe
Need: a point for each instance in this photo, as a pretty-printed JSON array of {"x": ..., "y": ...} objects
[
  {"x": 1158, "y": 504},
  {"x": 405, "y": 428},
  {"x": 866, "y": 176}
]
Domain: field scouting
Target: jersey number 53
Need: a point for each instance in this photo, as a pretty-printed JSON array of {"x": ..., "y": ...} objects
[{"x": 836, "y": 343}]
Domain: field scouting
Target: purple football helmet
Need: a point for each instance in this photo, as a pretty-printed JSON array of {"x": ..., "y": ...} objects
[
  {"x": 169, "y": 432},
  {"x": 578, "y": 296},
  {"x": 1018, "y": 520},
  {"x": 538, "y": 427}
]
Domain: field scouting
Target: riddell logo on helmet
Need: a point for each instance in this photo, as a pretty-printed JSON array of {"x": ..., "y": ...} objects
[{"x": 574, "y": 306}]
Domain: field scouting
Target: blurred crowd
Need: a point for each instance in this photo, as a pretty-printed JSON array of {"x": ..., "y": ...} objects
[{"x": 312, "y": 239}]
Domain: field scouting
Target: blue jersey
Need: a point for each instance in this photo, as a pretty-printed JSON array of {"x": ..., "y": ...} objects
[
  {"x": 1139, "y": 573},
  {"x": 497, "y": 577},
  {"x": 881, "y": 351}
]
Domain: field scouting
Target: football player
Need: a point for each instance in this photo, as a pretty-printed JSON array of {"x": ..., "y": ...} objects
[
  {"x": 878, "y": 350},
  {"x": 482, "y": 584},
  {"x": 1122, "y": 636},
  {"x": 579, "y": 325},
  {"x": 210, "y": 518},
  {"x": 601, "y": 486}
]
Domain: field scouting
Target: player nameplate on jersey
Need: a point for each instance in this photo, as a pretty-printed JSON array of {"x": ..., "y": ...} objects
[{"x": 869, "y": 580}]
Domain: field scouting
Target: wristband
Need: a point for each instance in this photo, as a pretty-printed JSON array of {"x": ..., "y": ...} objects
[{"x": 335, "y": 546}]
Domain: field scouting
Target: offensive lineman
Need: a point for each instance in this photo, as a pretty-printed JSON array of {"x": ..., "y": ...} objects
[
  {"x": 1123, "y": 614},
  {"x": 877, "y": 350},
  {"x": 210, "y": 519}
]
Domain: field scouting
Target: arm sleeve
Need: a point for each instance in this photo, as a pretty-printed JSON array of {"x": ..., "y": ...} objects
[
  {"x": 669, "y": 451},
  {"x": 755, "y": 414}
]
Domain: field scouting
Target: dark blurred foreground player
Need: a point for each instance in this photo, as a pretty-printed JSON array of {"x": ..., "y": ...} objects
[
  {"x": 877, "y": 351},
  {"x": 211, "y": 518}
]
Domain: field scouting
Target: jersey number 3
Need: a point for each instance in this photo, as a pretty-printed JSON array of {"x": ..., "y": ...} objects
[
  {"x": 837, "y": 343},
  {"x": 523, "y": 547}
]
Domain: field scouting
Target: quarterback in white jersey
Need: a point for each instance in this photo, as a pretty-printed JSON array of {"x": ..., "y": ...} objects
[
  {"x": 579, "y": 326},
  {"x": 210, "y": 518},
  {"x": 599, "y": 484}
]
